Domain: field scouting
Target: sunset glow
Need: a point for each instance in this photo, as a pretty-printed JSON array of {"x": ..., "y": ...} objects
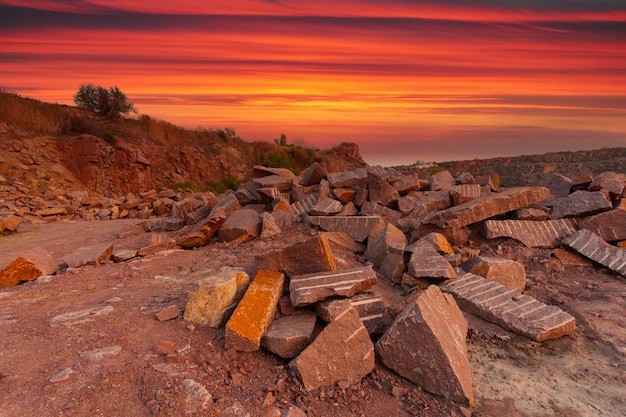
[{"x": 404, "y": 80}]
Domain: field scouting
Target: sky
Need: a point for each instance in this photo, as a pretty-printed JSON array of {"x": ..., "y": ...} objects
[{"x": 406, "y": 80}]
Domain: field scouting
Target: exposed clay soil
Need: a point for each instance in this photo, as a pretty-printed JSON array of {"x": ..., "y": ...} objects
[{"x": 82, "y": 342}]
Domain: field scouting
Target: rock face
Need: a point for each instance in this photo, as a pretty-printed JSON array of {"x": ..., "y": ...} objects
[
  {"x": 343, "y": 351},
  {"x": 509, "y": 308},
  {"x": 35, "y": 263},
  {"x": 426, "y": 344},
  {"x": 593, "y": 247},
  {"x": 310, "y": 288},
  {"x": 216, "y": 297},
  {"x": 255, "y": 312}
]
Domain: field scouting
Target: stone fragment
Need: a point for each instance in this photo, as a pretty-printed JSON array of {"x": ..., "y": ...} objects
[
  {"x": 168, "y": 313},
  {"x": 192, "y": 240},
  {"x": 408, "y": 183},
  {"x": 345, "y": 195},
  {"x": 348, "y": 210},
  {"x": 199, "y": 214},
  {"x": 610, "y": 225},
  {"x": 228, "y": 203},
  {"x": 441, "y": 181},
  {"x": 505, "y": 271},
  {"x": 559, "y": 185},
  {"x": 357, "y": 227},
  {"x": 292, "y": 411},
  {"x": 283, "y": 184},
  {"x": 330, "y": 309},
  {"x": 89, "y": 255},
  {"x": 385, "y": 249},
  {"x": 96, "y": 355},
  {"x": 242, "y": 222},
  {"x": 259, "y": 171},
  {"x": 381, "y": 192},
  {"x": 159, "y": 242},
  {"x": 360, "y": 197},
  {"x": 315, "y": 173},
  {"x": 181, "y": 209},
  {"x": 374, "y": 209},
  {"x": 216, "y": 297},
  {"x": 355, "y": 178},
  {"x": 323, "y": 190},
  {"x": 52, "y": 211},
  {"x": 343, "y": 351},
  {"x": 208, "y": 227},
  {"x": 341, "y": 241},
  {"x": 10, "y": 223},
  {"x": 165, "y": 346},
  {"x": 255, "y": 312},
  {"x": 122, "y": 255},
  {"x": 310, "y": 288},
  {"x": 436, "y": 240},
  {"x": 546, "y": 234},
  {"x": 304, "y": 205},
  {"x": 567, "y": 258},
  {"x": 172, "y": 224},
  {"x": 532, "y": 214},
  {"x": 247, "y": 194},
  {"x": 465, "y": 178},
  {"x": 580, "y": 204},
  {"x": 326, "y": 207},
  {"x": 463, "y": 193},
  {"x": 370, "y": 309},
  {"x": 289, "y": 335},
  {"x": 284, "y": 219},
  {"x": 420, "y": 206},
  {"x": 132, "y": 230},
  {"x": 487, "y": 206},
  {"x": 269, "y": 194},
  {"x": 426, "y": 262},
  {"x": 610, "y": 181},
  {"x": 509, "y": 308},
  {"x": 198, "y": 397},
  {"x": 269, "y": 226},
  {"x": 32, "y": 264},
  {"x": 426, "y": 344},
  {"x": 311, "y": 255},
  {"x": 593, "y": 247}
]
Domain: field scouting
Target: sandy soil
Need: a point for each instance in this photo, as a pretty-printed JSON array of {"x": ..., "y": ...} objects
[{"x": 86, "y": 342}]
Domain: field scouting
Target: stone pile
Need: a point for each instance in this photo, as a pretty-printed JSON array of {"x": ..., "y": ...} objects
[{"x": 410, "y": 232}]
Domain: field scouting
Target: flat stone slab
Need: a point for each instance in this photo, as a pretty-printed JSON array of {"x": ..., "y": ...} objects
[
  {"x": 289, "y": 335},
  {"x": 559, "y": 185},
  {"x": 610, "y": 225},
  {"x": 426, "y": 344},
  {"x": 343, "y": 351},
  {"x": 357, "y": 177},
  {"x": 216, "y": 297},
  {"x": 89, "y": 255},
  {"x": 274, "y": 181},
  {"x": 32, "y": 264},
  {"x": 579, "y": 204},
  {"x": 509, "y": 308},
  {"x": 159, "y": 242},
  {"x": 488, "y": 206},
  {"x": 326, "y": 207},
  {"x": 311, "y": 255},
  {"x": 426, "y": 262},
  {"x": 311, "y": 288},
  {"x": 255, "y": 312},
  {"x": 357, "y": 227},
  {"x": 545, "y": 234},
  {"x": 593, "y": 247}
]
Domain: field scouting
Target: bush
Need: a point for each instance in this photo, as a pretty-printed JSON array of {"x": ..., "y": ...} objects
[{"x": 111, "y": 103}]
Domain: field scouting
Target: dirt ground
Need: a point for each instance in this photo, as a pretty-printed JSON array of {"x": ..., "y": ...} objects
[{"x": 86, "y": 342}]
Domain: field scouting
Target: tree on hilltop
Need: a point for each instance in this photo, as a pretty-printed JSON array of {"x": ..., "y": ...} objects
[{"x": 110, "y": 102}]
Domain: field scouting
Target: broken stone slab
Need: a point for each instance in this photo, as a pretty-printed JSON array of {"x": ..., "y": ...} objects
[
  {"x": 593, "y": 247},
  {"x": 288, "y": 336},
  {"x": 198, "y": 214},
  {"x": 159, "y": 242},
  {"x": 426, "y": 344},
  {"x": 89, "y": 255},
  {"x": 228, "y": 203},
  {"x": 181, "y": 209},
  {"x": 385, "y": 249},
  {"x": 341, "y": 241},
  {"x": 407, "y": 183},
  {"x": 208, "y": 227},
  {"x": 357, "y": 227},
  {"x": 343, "y": 351},
  {"x": 255, "y": 312},
  {"x": 304, "y": 205},
  {"x": 426, "y": 262},
  {"x": 487, "y": 206},
  {"x": 315, "y": 173},
  {"x": 567, "y": 258},
  {"x": 283, "y": 184},
  {"x": 355, "y": 178},
  {"x": 348, "y": 210},
  {"x": 242, "y": 222},
  {"x": 463, "y": 193},
  {"x": 311, "y": 255},
  {"x": 269, "y": 194},
  {"x": 311, "y": 288},
  {"x": 610, "y": 225},
  {"x": 580, "y": 204},
  {"x": 32, "y": 264},
  {"x": 559, "y": 185},
  {"x": 269, "y": 226},
  {"x": 436, "y": 240},
  {"x": 326, "y": 207},
  {"x": 52, "y": 211},
  {"x": 345, "y": 195},
  {"x": 122, "y": 255},
  {"x": 505, "y": 271},
  {"x": 381, "y": 192},
  {"x": 369, "y": 307},
  {"x": 532, "y": 214},
  {"x": 172, "y": 224},
  {"x": 509, "y": 308},
  {"x": 259, "y": 171},
  {"x": 216, "y": 297},
  {"x": 610, "y": 181},
  {"x": 441, "y": 181},
  {"x": 374, "y": 209},
  {"x": 545, "y": 234},
  {"x": 284, "y": 219},
  {"x": 10, "y": 223},
  {"x": 168, "y": 313},
  {"x": 247, "y": 194}
]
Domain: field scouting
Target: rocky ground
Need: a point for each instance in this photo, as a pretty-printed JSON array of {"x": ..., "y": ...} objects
[{"x": 99, "y": 339}]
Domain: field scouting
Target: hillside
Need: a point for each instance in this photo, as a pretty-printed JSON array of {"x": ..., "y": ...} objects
[{"x": 49, "y": 145}]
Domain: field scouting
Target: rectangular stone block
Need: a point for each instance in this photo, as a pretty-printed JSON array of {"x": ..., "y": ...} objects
[
  {"x": 310, "y": 288},
  {"x": 357, "y": 227},
  {"x": 216, "y": 297},
  {"x": 34, "y": 263},
  {"x": 311, "y": 255},
  {"x": 509, "y": 308},
  {"x": 255, "y": 312},
  {"x": 487, "y": 206},
  {"x": 593, "y": 247},
  {"x": 544, "y": 234}
]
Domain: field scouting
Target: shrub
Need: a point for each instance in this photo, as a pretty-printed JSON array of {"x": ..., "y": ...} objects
[
  {"x": 109, "y": 138},
  {"x": 111, "y": 103}
]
